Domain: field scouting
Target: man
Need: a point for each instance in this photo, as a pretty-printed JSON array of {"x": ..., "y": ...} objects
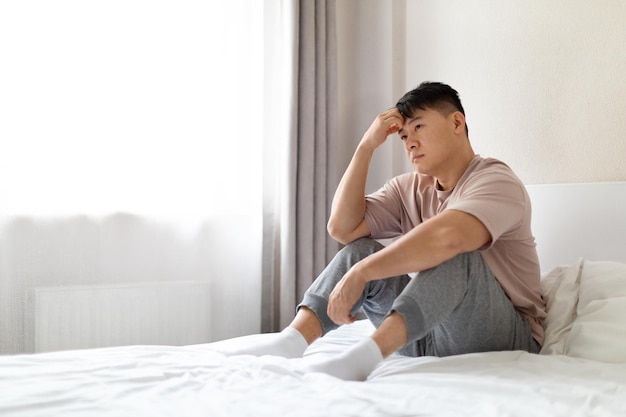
[{"x": 461, "y": 222}]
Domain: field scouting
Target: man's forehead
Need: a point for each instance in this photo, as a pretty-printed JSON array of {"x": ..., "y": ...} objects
[{"x": 417, "y": 114}]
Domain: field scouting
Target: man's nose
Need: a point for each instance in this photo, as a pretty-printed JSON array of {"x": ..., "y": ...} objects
[{"x": 410, "y": 143}]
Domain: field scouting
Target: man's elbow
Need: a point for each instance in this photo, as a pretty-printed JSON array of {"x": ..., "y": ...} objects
[
  {"x": 337, "y": 233},
  {"x": 345, "y": 233}
]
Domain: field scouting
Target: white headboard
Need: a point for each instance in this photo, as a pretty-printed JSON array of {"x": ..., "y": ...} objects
[{"x": 572, "y": 221}]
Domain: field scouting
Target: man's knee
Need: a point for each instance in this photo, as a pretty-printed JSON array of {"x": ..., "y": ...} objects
[{"x": 361, "y": 248}]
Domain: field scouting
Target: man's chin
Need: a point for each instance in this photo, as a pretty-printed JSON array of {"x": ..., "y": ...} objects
[{"x": 420, "y": 169}]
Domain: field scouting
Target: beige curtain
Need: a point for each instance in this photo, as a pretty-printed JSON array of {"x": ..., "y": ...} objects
[{"x": 301, "y": 180}]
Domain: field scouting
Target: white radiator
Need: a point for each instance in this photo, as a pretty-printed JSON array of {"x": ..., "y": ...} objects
[{"x": 164, "y": 313}]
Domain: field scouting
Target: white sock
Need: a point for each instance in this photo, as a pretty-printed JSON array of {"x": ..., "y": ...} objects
[
  {"x": 355, "y": 364},
  {"x": 289, "y": 344}
]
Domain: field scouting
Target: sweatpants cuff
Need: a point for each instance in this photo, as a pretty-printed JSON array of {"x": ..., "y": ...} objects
[
  {"x": 412, "y": 315},
  {"x": 319, "y": 306}
]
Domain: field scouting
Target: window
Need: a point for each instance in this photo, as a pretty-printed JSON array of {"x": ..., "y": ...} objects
[{"x": 148, "y": 107}]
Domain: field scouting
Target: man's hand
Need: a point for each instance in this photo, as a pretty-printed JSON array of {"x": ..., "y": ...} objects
[
  {"x": 347, "y": 215},
  {"x": 343, "y": 297},
  {"x": 384, "y": 125}
]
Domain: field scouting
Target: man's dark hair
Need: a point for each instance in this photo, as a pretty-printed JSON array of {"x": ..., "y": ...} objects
[{"x": 431, "y": 95}]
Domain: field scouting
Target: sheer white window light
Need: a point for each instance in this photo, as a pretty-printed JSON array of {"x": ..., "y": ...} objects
[{"x": 148, "y": 107}]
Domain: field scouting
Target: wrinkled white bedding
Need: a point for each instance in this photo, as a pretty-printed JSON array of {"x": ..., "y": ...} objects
[{"x": 196, "y": 381}]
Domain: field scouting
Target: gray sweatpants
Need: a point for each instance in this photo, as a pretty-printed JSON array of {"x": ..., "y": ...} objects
[{"x": 456, "y": 307}]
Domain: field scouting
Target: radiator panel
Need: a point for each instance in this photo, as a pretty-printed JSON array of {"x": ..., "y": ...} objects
[{"x": 164, "y": 313}]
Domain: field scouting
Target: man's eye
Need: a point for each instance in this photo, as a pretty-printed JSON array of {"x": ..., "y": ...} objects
[
  {"x": 403, "y": 138},
  {"x": 418, "y": 127}
]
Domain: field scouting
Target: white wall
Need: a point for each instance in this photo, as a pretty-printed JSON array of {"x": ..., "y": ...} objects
[{"x": 542, "y": 82}]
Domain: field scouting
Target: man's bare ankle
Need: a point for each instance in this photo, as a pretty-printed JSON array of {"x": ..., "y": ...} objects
[{"x": 307, "y": 323}]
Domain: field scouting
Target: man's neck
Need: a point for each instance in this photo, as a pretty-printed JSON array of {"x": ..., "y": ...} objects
[{"x": 451, "y": 179}]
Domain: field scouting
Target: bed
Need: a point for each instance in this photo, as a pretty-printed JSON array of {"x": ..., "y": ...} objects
[{"x": 581, "y": 370}]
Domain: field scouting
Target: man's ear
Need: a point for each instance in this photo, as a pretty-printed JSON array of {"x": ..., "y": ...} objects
[{"x": 458, "y": 120}]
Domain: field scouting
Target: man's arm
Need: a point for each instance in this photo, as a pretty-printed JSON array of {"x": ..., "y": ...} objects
[
  {"x": 429, "y": 244},
  {"x": 347, "y": 217}
]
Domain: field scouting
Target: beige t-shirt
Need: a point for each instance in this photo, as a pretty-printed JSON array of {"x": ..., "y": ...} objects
[{"x": 491, "y": 192}]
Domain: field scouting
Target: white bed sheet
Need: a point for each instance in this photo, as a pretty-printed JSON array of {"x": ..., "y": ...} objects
[{"x": 196, "y": 381}]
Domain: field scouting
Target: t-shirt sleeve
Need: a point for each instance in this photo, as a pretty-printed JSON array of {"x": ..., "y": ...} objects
[
  {"x": 383, "y": 211},
  {"x": 498, "y": 201}
]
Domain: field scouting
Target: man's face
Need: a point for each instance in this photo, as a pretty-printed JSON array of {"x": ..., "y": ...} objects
[{"x": 428, "y": 138}]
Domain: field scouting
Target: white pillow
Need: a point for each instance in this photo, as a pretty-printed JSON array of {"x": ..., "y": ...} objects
[
  {"x": 559, "y": 289},
  {"x": 599, "y": 331}
]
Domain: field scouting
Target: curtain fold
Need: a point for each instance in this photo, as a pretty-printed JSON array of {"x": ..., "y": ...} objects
[
  {"x": 316, "y": 164},
  {"x": 302, "y": 182}
]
